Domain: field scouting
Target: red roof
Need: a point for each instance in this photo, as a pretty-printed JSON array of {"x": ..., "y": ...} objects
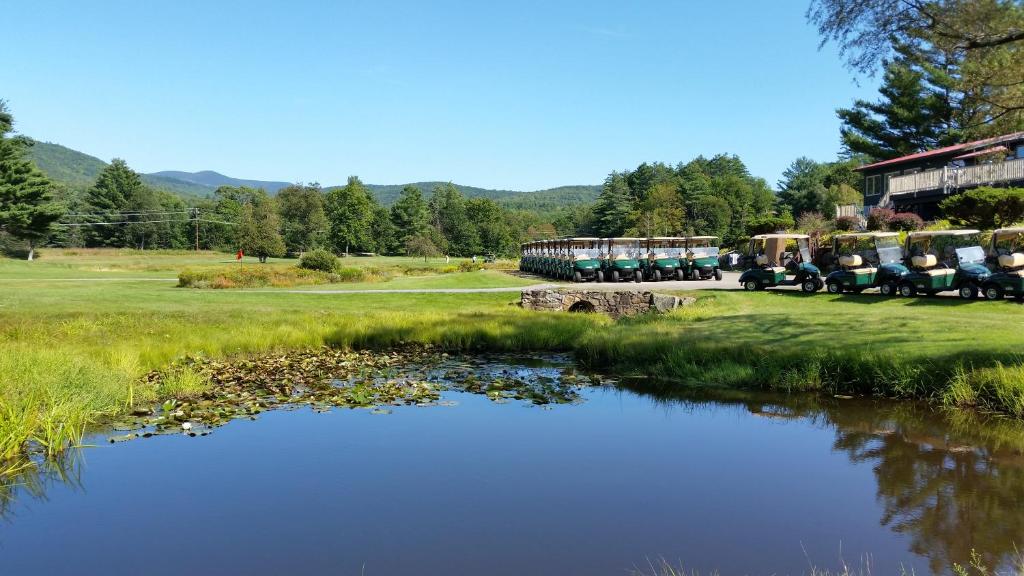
[
  {"x": 947, "y": 150},
  {"x": 983, "y": 152}
]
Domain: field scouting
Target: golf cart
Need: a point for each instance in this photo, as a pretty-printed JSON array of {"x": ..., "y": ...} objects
[
  {"x": 583, "y": 261},
  {"x": 867, "y": 260},
  {"x": 663, "y": 256},
  {"x": 547, "y": 257},
  {"x": 620, "y": 260},
  {"x": 1006, "y": 258},
  {"x": 944, "y": 260},
  {"x": 701, "y": 261},
  {"x": 524, "y": 256},
  {"x": 780, "y": 260}
]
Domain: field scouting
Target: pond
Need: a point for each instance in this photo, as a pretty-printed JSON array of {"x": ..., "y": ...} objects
[{"x": 608, "y": 480}]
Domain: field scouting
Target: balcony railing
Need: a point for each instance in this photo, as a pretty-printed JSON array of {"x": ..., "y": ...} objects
[{"x": 950, "y": 179}]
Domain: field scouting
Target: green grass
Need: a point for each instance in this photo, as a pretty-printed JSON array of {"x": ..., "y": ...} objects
[{"x": 72, "y": 351}]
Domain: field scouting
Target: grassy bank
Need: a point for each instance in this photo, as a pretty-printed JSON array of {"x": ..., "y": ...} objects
[{"x": 72, "y": 350}]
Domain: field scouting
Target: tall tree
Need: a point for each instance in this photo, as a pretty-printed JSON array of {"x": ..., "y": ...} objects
[
  {"x": 122, "y": 206},
  {"x": 451, "y": 218},
  {"x": 383, "y": 231},
  {"x": 410, "y": 214},
  {"x": 27, "y": 208},
  {"x": 350, "y": 211},
  {"x": 613, "y": 206},
  {"x": 303, "y": 220},
  {"x": 260, "y": 230},
  {"x": 918, "y": 110},
  {"x": 980, "y": 41}
]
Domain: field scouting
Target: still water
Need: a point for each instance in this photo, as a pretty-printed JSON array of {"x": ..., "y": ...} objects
[{"x": 737, "y": 484}]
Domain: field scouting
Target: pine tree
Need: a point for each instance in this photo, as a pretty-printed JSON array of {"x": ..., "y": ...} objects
[
  {"x": 27, "y": 208},
  {"x": 350, "y": 210},
  {"x": 410, "y": 214},
  {"x": 613, "y": 206},
  {"x": 260, "y": 230}
]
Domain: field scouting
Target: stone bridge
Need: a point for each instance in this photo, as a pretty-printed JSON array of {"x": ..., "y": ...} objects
[{"x": 615, "y": 304}]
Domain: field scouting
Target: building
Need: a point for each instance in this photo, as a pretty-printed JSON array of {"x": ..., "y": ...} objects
[{"x": 918, "y": 182}]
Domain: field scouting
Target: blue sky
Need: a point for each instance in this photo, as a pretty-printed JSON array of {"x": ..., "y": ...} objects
[{"x": 516, "y": 95}]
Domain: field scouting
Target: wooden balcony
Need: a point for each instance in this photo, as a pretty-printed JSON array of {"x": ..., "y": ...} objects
[{"x": 950, "y": 179}]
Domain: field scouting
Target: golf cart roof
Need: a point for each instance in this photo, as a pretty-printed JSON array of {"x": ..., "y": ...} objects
[
  {"x": 934, "y": 233},
  {"x": 1007, "y": 231},
  {"x": 667, "y": 238},
  {"x": 624, "y": 239},
  {"x": 867, "y": 235},
  {"x": 584, "y": 239},
  {"x": 702, "y": 237},
  {"x": 781, "y": 236}
]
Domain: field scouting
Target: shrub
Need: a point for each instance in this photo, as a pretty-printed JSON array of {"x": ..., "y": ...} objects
[
  {"x": 319, "y": 259},
  {"x": 985, "y": 207},
  {"x": 470, "y": 266},
  {"x": 906, "y": 222},
  {"x": 771, "y": 223},
  {"x": 253, "y": 277},
  {"x": 879, "y": 219},
  {"x": 847, "y": 223}
]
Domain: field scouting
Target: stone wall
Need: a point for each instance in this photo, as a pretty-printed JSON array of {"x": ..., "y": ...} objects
[{"x": 613, "y": 303}]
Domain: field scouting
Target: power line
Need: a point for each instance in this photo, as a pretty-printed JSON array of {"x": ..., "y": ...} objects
[{"x": 118, "y": 223}]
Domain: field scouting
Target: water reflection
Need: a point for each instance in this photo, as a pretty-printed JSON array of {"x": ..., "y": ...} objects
[
  {"x": 29, "y": 480},
  {"x": 952, "y": 481}
]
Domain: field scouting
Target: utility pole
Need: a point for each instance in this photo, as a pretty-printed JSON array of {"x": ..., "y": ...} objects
[{"x": 195, "y": 216}]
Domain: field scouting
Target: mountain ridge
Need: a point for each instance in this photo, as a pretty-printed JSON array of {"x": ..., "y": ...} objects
[{"x": 79, "y": 170}]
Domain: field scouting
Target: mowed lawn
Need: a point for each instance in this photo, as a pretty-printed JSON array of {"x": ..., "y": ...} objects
[{"x": 80, "y": 347}]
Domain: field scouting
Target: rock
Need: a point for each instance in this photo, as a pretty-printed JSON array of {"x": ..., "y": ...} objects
[{"x": 614, "y": 303}]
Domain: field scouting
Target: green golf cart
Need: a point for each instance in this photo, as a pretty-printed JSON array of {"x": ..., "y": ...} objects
[
  {"x": 548, "y": 261},
  {"x": 524, "y": 256},
  {"x": 780, "y": 260},
  {"x": 1006, "y": 260},
  {"x": 619, "y": 260},
  {"x": 867, "y": 260},
  {"x": 660, "y": 258},
  {"x": 944, "y": 260},
  {"x": 701, "y": 259},
  {"x": 582, "y": 262}
]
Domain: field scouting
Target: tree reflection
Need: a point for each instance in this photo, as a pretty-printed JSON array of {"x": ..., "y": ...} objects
[
  {"x": 952, "y": 481},
  {"x": 32, "y": 478}
]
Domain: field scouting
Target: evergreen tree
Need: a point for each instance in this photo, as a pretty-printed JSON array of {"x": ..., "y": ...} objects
[
  {"x": 119, "y": 197},
  {"x": 451, "y": 218},
  {"x": 410, "y": 214},
  {"x": 384, "y": 233},
  {"x": 27, "y": 208},
  {"x": 350, "y": 211},
  {"x": 613, "y": 206},
  {"x": 260, "y": 230},
  {"x": 917, "y": 111}
]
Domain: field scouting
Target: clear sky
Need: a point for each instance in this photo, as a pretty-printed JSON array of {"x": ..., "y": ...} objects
[{"x": 517, "y": 94}]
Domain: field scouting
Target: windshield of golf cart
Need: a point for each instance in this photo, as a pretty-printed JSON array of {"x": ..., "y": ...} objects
[
  {"x": 970, "y": 255},
  {"x": 703, "y": 249},
  {"x": 1008, "y": 243},
  {"x": 584, "y": 253},
  {"x": 623, "y": 250},
  {"x": 665, "y": 250},
  {"x": 888, "y": 249}
]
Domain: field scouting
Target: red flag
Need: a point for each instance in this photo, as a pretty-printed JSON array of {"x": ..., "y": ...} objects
[{"x": 239, "y": 255}]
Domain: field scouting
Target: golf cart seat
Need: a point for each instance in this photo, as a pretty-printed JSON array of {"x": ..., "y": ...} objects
[
  {"x": 1015, "y": 260},
  {"x": 940, "y": 272},
  {"x": 761, "y": 260},
  {"x": 925, "y": 261},
  {"x": 864, "y": 270},
  {"x": 851, "y": 260}
]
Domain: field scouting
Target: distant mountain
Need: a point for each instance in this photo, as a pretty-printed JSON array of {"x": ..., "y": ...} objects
[
  {"x": 214, "y": 180},
  {"x": 79, "y": 171}
]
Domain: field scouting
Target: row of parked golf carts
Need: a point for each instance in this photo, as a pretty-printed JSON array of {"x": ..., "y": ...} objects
[
  {"x": 925, "y": 264},
  {"x": 619, "y": 259}
]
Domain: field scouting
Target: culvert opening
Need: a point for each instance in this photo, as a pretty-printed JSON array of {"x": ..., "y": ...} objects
[{"x": 582, "y": 306}]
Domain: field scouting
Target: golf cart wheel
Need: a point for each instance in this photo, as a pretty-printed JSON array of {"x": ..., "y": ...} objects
[
  {"x": 993, "y": 292},
  {"x": 968, "y": 292},
  {"x": 638, "y": 276},
  {"x": 835, "y": 288},
  {"x": 657, "y": 275},
  {"x": 750, "y": 285},
  {"x": 809, "y": 286},
  {"x": 680, "y": 275},
  {"x": 577, "y": 277},
  {"x": 695, "y": 274},
  {"x": 907, "y": 289},
  {"x": 718, "y": 274},
  {"x": 599, "y": 276},
  {"x": 887, "y": 289},
  {"x": 615, "y": 275}
]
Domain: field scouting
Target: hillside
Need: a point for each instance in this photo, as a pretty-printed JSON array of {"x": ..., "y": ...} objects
[{"x": 79, "y": 170}]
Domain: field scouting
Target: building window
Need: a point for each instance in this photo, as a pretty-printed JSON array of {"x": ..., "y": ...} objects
[
  {"x": 1020, "y": 151},
  {"x": 871, "y": 187}
]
